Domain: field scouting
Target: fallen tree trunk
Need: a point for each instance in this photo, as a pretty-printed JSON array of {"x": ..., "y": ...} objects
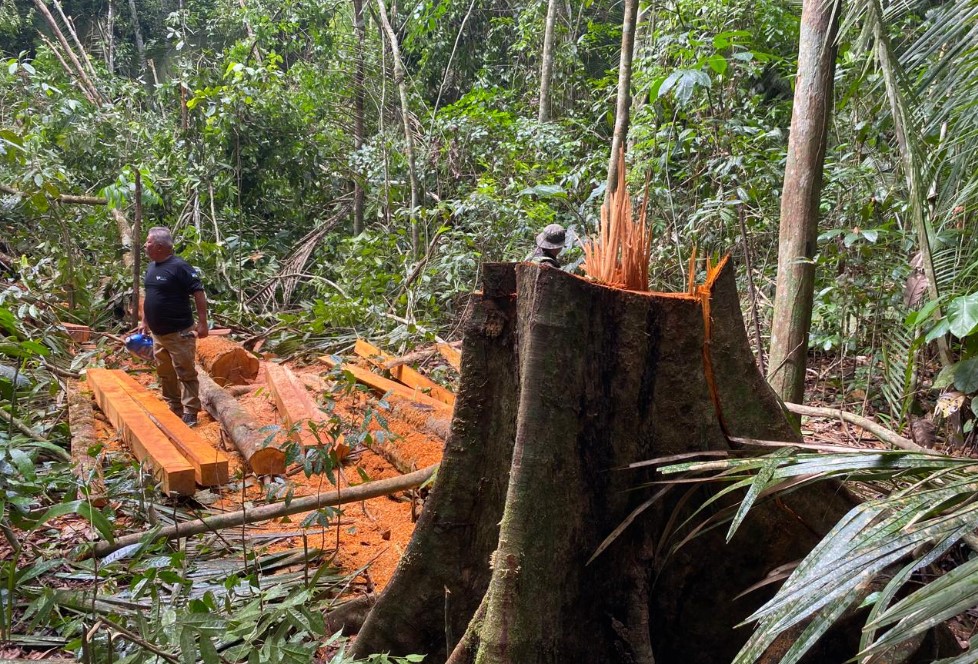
[
  {"x": 88, "y": 469},
  {"x": 225, "y": 361},
  {"x": 602, "y": 378},
  {"x": 253, "y": 441},
  {"x": 265, "y": 512},
  {"x": 878, "y": 430}
]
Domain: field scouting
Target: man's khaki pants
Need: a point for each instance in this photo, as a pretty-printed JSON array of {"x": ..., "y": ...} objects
[{"x": 175, "y": 367}]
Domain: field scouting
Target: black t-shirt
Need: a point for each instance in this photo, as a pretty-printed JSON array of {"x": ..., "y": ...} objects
[{"x": 169, "y": 285}]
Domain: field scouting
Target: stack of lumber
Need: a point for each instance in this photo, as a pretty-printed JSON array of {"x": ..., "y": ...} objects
[
  {"x": 177, "y": 455},
  {"x": 404, "y": 382}
]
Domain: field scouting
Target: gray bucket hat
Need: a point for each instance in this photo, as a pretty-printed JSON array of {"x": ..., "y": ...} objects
[{"x": 551, "y": 237}]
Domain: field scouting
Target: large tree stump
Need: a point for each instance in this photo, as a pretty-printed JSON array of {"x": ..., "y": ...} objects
[
  {"x": 225, "y": 361},
  {"x": 600, "y": 378}
]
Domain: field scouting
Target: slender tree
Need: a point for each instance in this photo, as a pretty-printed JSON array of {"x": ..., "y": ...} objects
[
  {"x": 138, "y": 36},
  {"x": 400, "y": 80},
  {"x": 547, "y": 61},
  {"x": 358, "y": 104},
  {"x": 624, "y": 91},
  {"x": 798, "y": 232}
]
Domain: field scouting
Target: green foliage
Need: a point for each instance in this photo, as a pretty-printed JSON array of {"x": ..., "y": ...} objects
[{"x": 926, "y": 508}]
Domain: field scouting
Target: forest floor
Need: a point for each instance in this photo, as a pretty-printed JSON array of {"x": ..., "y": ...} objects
[{"x": 368, "y": 538}]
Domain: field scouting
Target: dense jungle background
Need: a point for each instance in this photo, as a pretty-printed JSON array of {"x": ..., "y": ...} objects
[{"x": 334, "y": 177}]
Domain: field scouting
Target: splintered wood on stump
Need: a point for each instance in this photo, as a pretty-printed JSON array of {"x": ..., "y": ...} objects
[
  {"x": 225, "y": 361},
  {"x": 254, "y": 442},
  {"x": 532, "y": 475}
]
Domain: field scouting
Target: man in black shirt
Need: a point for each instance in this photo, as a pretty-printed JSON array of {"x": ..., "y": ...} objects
[{"x": 170, "y": 284}]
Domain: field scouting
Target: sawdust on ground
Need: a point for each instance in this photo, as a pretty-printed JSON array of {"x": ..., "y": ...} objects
[{"x": 370, "y": 535}]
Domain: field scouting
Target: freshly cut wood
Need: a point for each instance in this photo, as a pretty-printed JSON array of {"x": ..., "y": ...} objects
[
  {"x": 210, "y": 464},
  {"x": 403, "y": 373},
  {"x": 78, "y": 333},
  {"x": 385, "y": 385},
  {"x": 255, "y": 443},
  {"x": 81, "y": 419},
  {"x": 225, "y": 361},
  {"x": 236, "y": 518},
  {"x": 500, "y": 567},
  {"x": 144, "y": 438},
  {"x": 298, "y": 409},
  {"x": 433, "y": 423},
  {"x": 452, "y": 356}
]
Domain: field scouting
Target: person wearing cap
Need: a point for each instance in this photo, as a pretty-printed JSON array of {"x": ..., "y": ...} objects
[{"x": 550, "y": 242}]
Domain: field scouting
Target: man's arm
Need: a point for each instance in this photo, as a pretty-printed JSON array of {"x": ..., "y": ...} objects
[{"x": 200, "y": 300}]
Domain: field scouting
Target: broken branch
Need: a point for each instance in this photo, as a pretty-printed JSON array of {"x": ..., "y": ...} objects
[
  {"x": 277, "y": 510},
  {"x": 878, "y": 430}
]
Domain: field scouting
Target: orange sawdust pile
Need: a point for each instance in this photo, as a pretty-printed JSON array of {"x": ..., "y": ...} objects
[{"x": 373, "y": 532}]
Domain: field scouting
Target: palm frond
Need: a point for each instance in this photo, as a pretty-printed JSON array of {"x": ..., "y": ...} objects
[{"x": 930, "y": 509}]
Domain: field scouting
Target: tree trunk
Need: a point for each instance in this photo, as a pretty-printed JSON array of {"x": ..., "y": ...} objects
[
  {"x": 138, "y": 35},
  {"x": 110, "y": 31},
  {"x": 87, "y": 469},
  {"x": 602, "y": 378},
  {"x": 137, "y": 232},
  {"x": 798, "y": 234},
  {"x": 359, "y": 95},
  {"x": 74, "y": 36},
  {"x": 547, "y": 61},
  {"x": 624, "y": 92},
  {"x": 444, "y": 571},
  {"x": 249, "y": 437},
  {"x": 401, "y": 80},
  {"x": 125, "y": 237},
  {"x": 86, "y": 82}
]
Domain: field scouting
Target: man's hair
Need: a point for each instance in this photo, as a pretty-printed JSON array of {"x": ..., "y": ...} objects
[{"x": 161, "y": 234}]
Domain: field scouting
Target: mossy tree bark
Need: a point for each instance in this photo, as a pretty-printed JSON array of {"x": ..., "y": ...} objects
[
  {"x": 586, "y": 380},
  {"x": 798, "y": 233}
]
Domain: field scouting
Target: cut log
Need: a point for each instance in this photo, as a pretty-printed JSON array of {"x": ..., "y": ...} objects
[
  {"x": 403, "y": 373},
  {"x": 435, "y": 424},
  {"x": 87, "y": 468},
  {"x": 226, "y": 362},
  {"x": 299, "y": 410},
  {"x": 78, "y": 333},
  {"x": 255, "y": 443},
  {"x": 144, "y": 438},
  {"x": 210, "y": 464},
  {"x": 452, "y": 356},
  {"x": 601, "y": 378},
  {"x": 383, "y": 385}
]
